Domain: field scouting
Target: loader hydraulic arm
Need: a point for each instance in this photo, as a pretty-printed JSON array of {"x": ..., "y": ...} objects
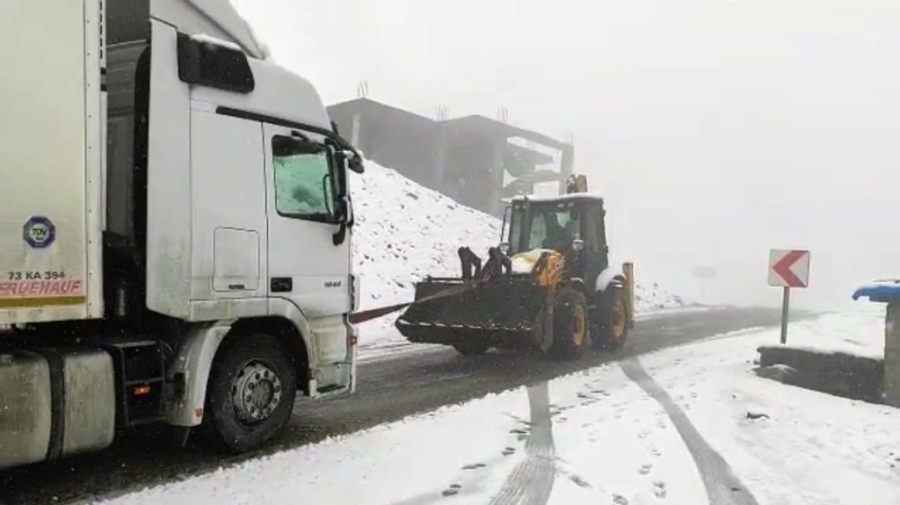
[
  {"x": 470, "y": 262},
  {"x": 497, "y": 264}
]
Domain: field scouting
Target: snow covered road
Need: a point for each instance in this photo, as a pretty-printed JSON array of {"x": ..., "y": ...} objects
[
  {"x": 691, "y": 425},
  {"x": 390, "y": 388}
]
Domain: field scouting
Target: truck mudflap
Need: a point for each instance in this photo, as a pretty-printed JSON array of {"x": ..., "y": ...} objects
[{"x": 507, "y": 308}]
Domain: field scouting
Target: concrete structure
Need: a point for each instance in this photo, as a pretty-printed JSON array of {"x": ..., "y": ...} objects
[
  {"x": 888, "y": 292},
  {"x": 892, "y": 354},
  {"x": 469, "y": 159}
]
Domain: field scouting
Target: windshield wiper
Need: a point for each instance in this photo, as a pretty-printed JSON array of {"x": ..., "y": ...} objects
[{"x": 316, "y": 216}]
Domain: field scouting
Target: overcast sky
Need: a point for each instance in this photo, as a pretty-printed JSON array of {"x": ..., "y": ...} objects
[{"x": 716, "y": 129}]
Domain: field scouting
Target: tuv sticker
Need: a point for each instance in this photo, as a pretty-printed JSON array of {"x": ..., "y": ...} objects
[{"x": 39, "y": 232}]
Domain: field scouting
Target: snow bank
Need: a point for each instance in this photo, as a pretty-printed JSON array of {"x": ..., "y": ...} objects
[
  {"x": 405, "y": 232},
  {"x": 857, "y": 333},
  {"x": 594, "y": 437}
]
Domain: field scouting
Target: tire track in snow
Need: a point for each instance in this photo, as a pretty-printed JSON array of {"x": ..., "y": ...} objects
[
  {"x": 531, "y": 481},
  {"x": 722, "y": 486}
]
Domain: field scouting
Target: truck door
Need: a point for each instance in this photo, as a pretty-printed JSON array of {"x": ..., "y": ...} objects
[{"x": 306, "y": 266}]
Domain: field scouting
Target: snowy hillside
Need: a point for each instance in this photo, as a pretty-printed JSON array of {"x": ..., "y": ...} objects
[{"x": 405, "y": 232}]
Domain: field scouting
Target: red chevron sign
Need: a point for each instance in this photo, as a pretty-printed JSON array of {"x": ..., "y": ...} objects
[{"x": 789, "y": 268}]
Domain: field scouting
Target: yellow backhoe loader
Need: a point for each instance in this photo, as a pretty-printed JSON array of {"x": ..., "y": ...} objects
[{"x": 549, "y": 286}]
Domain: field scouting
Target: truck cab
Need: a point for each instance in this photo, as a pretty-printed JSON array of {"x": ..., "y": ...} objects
[{"x": 175, "y": 229}]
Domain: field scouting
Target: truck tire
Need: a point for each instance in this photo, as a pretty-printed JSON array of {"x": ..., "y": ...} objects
[
  {"x": 471, "y": 347},
  {"x": 611, "y": 328},
  {"x": 251, "y": 392},
  {"x": 571, "y": 325}
]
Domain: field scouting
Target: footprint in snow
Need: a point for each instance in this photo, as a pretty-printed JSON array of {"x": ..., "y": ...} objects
[
  {"x": 620, "y": 500},
  {"x": 452, "y": 490},
  {"x": 579, "y": 480},
  {"x": 509, "y": 451},
  {"x": 474, "y": 466},
  {"x": 645, "y": 469},
  {"x": 659, "y": 489}
]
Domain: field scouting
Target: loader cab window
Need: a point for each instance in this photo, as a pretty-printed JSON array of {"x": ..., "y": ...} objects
[
  {"x": 304, "y": 180},
  {"x": 552, "y": 228},
  {"x": 595, "y": 232},
  {"x": 517, "y": 220}
]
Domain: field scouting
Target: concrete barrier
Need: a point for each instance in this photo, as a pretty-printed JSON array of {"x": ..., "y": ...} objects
[{"x": 836, "y": 373}]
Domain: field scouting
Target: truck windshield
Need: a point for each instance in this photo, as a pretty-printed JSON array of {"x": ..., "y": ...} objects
[{"x": 303, "y": 184}]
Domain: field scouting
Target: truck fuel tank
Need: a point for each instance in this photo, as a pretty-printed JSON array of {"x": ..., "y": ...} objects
[{"x": 54, "y": 402}]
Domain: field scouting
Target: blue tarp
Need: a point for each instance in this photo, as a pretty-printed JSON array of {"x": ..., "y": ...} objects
[{"x": 879, "y": 291}]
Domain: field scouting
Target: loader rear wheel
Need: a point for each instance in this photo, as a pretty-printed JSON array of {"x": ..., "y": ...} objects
[
  {"x": 251, "y": 392},
  {"x": 571, "y": 325},
  {"x": 612, "y": 323},
  {"x": 471, "y": 347}
]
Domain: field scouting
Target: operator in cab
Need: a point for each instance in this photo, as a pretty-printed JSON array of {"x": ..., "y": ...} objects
[{"x": 560, "y": 237}]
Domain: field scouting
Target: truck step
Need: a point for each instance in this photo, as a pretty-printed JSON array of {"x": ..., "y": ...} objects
[{"x": 140, "y": 373}]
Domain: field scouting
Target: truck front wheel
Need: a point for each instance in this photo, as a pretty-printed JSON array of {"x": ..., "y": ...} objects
[{"x": 251, "y": 392}]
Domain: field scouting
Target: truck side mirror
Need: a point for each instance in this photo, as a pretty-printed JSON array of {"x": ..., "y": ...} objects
[
  {"x": 340, "y": 159},
  {"x": 356, "y": 164},
  {"x": 344, "y": 222}
]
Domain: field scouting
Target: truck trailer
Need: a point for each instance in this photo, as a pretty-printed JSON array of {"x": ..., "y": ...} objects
[{"x": 175, "y": 227}]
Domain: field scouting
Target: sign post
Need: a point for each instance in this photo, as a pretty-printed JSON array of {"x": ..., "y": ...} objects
[
  {"x": 704, "y": 274},
  {"x": 788, "y": 269},
  {"x": 785, "y": 308}
]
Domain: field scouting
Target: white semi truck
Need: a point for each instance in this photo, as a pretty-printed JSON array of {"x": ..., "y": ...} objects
[{"x": 175, "y": 226}]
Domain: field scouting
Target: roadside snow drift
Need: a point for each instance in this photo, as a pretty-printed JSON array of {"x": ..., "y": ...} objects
[
  {"x": 405, "y": 232},
  {"x": 598, "y": 437},
  {"x": 845, "y": 359}
]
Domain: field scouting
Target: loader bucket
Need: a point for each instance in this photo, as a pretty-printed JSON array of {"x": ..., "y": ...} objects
[{"x": 503, "y": 309}]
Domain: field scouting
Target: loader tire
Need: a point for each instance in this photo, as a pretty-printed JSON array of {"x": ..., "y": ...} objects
[
  {"x": 471, "y": 347},
  {"x": 571, "y": 325},
  {"x": 250, "y": 393},
  {"x": 611, "y": 323}
]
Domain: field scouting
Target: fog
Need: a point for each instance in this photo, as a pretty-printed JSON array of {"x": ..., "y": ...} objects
[{"x": 716, "y": 129}]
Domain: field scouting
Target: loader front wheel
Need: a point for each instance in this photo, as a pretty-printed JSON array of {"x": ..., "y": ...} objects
[
  {"x": 613, "y": 321},
  {"x": 570, "y": 325}
]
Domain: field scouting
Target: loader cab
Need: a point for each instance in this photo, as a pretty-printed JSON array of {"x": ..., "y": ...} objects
[{"x": 572, "y": 224}]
